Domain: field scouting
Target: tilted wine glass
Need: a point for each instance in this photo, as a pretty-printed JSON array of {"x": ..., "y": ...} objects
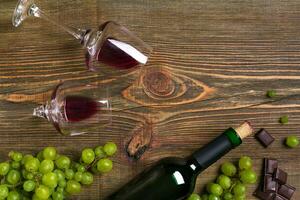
[
  {"x": 109, "y": 46},
  {"x": 76, "y": 108}
]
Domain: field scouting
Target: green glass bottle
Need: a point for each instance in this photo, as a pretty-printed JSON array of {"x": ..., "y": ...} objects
[{"x": 174, "y": 178}]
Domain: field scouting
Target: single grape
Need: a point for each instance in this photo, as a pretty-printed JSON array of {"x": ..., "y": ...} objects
[
  {"x": 40, "y": 156},
  {"x": 228, "y": 196},
  {"x": 69, "y": 173},
  {"x": 63, "y": 162},
  {"x": 88, "y": 156},
  {"x": 49, "y": 153},
  {"x": 78, "y": 176},
  {"x": 110, "y": 148},
  {"x": 292, "y": 141},
  {"x": 204, "y": 197},
  {"x": 245, "y": 162},
  {"x": 16, "y": 156},
  {"x": 32, "y": 164},
  {"x": 240, "y": 197},
  {"x": 50, "y": 179},
  {"x": 87, "y": 178},
  {"x": 224, "y": 181},
  {"x": 15, "y": 165},
  {"x": 27, "y": 175},
  {"x": 73, "y": 187},
  {"x": 194, "y": 196},
  {"x": 80, "y": 168},
  {"x": 46, "y": 166},
  {"x": 42, "y": 192},
  {"x": 25, "y": 158},
  {"x": 248, "y": 176},
  {"x": 99, "y": 152},
  {"x": 57, "y": 196},
  {"x": 13, "y": 177},
  {"x": 13, "y": 195},
  {"x": 62, "y": 183},
  {"x": 61, "y": 189},
  {"x": 228, "y": 169},
  {"x": 29, "y": 186},
  {"x": 104, "y": 165},
  {"x": 213, "y": 197},
  {"x": 271, "y": 93},
  {"x": 216, "y": 189},
  {"x": 284, "y": 119},
  {"x": 3, "y": 191},
  {"x": 239, "y": 189},
  {"x": 4, "y": 168}
]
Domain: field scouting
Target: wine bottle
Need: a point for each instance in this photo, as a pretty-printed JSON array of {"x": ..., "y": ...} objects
[{"x": 174, "y": 178}]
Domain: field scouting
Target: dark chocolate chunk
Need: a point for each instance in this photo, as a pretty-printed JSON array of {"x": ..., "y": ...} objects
[
  {"x": 264, "y": 195},
  {"x": 264, "y": 137},
  {"x": 269, "y": 184},
  {"x": 270, "y": 165},
  {"x": 280, "y": 176},
  {"x": 286, "y": 190},
  {"x": 279, "y": 197}
]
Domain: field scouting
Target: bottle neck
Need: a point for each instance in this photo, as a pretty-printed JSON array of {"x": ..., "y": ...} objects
[{"x": 213, "y": 151}]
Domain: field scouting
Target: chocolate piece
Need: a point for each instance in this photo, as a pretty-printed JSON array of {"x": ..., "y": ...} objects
[
  {"x": 270, "y": 165},
  {"x": 264, "y": 195},
  {"x": 279, "y": 197},
  {"x": 286, "y": 190},
  {"x": 280, "y": 176},
  {"x": 264, "y": 137},
  {"x": 269, "y": 184}
]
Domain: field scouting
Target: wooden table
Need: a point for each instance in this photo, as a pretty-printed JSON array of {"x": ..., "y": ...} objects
[{"x": 217, "y": 60}]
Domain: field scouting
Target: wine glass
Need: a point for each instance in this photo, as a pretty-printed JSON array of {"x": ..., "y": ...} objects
[
  {"x": 76, "y": 109},
  {"x": 109, "y": 46}
]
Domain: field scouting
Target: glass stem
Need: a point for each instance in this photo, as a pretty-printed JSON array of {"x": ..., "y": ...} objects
[{"x": 37, "y": 12}]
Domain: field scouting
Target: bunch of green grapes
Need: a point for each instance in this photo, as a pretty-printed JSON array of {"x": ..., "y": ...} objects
[
  {"x": 50, "y": 175},
  {"x": 231, "y": 183}
]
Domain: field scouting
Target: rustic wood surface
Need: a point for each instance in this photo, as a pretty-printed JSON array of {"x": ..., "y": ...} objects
[{"x": 216, "y": 60}]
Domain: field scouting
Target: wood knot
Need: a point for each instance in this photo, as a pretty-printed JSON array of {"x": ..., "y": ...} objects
[{"x": 158, "y": 83}]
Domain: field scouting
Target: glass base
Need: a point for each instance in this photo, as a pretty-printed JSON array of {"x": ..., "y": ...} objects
[{"x": 21, "y": 11}]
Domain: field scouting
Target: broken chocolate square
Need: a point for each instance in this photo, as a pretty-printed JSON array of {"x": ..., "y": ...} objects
[
  {"x": 279, "y": 197},
  {"x": 264, "y": 195},
  {"x": 264, "y": 137},
  {"x": 280, "y": 176},
  {"x": 270, "y": 165},
  {"x": 269, "y": 184},
  {"x": 286, "y": 190}
]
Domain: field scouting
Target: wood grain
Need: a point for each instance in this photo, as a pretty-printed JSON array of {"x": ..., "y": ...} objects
[{"x": 216, "y": 58}]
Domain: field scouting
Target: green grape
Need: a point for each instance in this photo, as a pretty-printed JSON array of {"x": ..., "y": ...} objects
[
  {"x": 228, "y": 169},
  {"x": 27, "y": 175},
  {"x": 87, "y": 178},
  {"x": 63, "y": 162},
  {"x": 46, "y": 166},
  {"x": 213, "y": 197},
  {"x": 15, "y": 156},
  {"x": 228, "y": 196},
  {"x": 245, "y": 162},
  {"x": 42, "y": 192},
  {"x": 57, "y": 196},
  {"x": 13, "y": 195},
  {"x": 25, "y": 158},
  {"x": 271, "y": 93},
  {"x": 32, "y": 164},
  {"x": 62, "y": 183},
  {"x": 73, "y": 187},
  {"x": 15, "y": 165},
  {"x": 40, "y": 156},
  {"x": 80, "y": 168},
  {"x": 224, "y": 181},
  {"x": 239, "y": 189},
  {"x": 29, "y": 186},
  {"x": 110, "y": 148},
  {"x": 88, "y": 156},
  {"x": 292, "y": 141},
  {"x": 104, "y": 165},
  {"x": 204, "y": 197},
  {"x": 99, "y": 152},
  {"x": 4, "y": 168},
  {"x": 60, "y": 175},
  {"x": 69, "y": 173},
  {"x": 78, "y": 176},
  {"x": 49, "y": 153},
  {"x": 208, "y": 187},
  {"x": 3, "y": 191},
  {"x": 240, "y": 197},
  {"x": 61, "y": 189},
  {"x": 216, "y": 189},
  {"x": 284, "y": 119},
  {"x": 13, "y": 177},
  {"x": 248, "y": 176},
  {"x": 194, "y": 197},
  {"x": 50, "y": 179}
]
